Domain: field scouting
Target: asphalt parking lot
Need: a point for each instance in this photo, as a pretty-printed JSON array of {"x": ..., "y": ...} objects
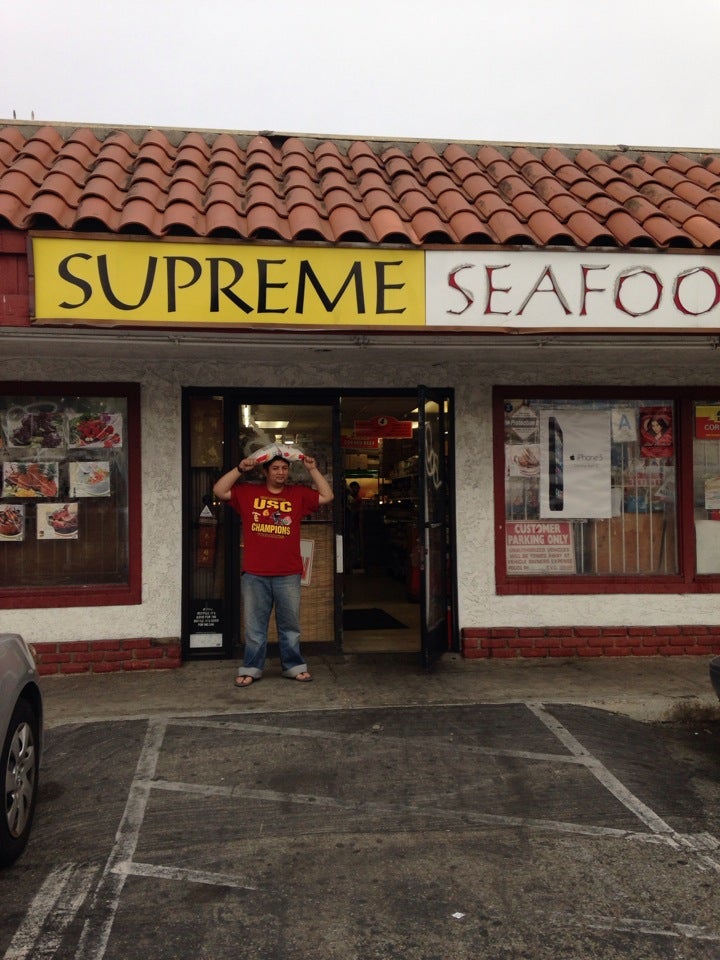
[{"x": 274, "y": 829}]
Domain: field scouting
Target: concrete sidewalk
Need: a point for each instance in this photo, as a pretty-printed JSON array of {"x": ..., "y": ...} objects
[{"x": 651, "y": 689}]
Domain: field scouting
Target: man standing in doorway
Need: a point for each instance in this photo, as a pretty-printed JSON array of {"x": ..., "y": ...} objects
[{"x": 272, "y": 565}]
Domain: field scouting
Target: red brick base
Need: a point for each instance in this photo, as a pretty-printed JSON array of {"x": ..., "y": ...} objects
[
  {"x": 108, "y": 656},
  {"x": 505, "y": 642}
]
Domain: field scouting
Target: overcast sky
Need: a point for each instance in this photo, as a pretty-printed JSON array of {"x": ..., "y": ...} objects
[{"x": 638, "y": 72}]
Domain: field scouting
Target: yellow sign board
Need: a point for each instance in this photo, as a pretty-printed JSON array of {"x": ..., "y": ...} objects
[{"x": 98, "y": 281}]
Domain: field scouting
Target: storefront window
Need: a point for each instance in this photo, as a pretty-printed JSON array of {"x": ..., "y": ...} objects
[
  {"x": 69, "y": 504},
  {"x": 706, "y": 485},
  {"x": 589, "y": 487}
]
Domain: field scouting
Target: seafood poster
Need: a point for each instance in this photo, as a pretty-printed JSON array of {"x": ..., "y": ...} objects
[
  {"x": 25, "y": 427},
  {"x": 57, "y": 521},
  {"x": 90, "y": 478},
  {"x": 30, "y": 479},
  {"x": 522, "y": 460},
  {"x": 91, "y": 430},
  {"x": 12, "y": 522}
]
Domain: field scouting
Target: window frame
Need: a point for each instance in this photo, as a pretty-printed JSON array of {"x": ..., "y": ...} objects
[
  {"x": 91, "y": 595},
  {"x": 687, "y": 580}
]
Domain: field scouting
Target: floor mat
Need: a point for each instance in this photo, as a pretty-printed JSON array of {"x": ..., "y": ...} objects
[{"x": 372, "y": 618}]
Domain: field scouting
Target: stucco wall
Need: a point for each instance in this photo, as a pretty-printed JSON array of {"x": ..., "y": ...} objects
[{"x": 472, "y": 377}]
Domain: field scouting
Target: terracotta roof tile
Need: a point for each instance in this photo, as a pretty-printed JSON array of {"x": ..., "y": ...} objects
[
  {"x": 665, "y": 233},
  {"x": 347, "y": 225},
  {"x": 431, "y": 229},
  {"x": 589, "y": 231},
  {"x": 298, "y": 179},
  {"x": 369, "y": 181},
  {"x": 548, "y": 229},
  {"x": 307, "y": 224},
  {"x": 469, "y": 227},
  {"x": 223, "y": 219},
  {"x": 508, "y": 229},
  {"x": 389, "y": 227},
  {"x": 257, "y": 186},
  {"x": 263, "y": 221},
  {"x": 703, "y": 231},
  {"x": 54, "y": 207},
  {"x": 628, "y": 231},
  {"x": 712, "y": 164},
  {"x": 138, "y": 213}
]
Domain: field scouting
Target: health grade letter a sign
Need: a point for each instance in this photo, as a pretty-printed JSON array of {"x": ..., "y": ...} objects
[{"x": 575, "y": 474}]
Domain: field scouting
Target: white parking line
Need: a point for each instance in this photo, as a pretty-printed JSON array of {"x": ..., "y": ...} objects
[
  {"x": 180, "y": 873},
  {"x": 660, "y": 928},
  {"x": 66, "y": 889},
  {"x": 96, "y": 931},
  {"x": 53, "y": 908},
  {"x": 463, "y": 817},
  {"x": 620, "y": 791}
]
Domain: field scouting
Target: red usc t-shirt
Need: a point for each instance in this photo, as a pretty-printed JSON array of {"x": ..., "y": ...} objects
[{"x": 271, "y": 526}]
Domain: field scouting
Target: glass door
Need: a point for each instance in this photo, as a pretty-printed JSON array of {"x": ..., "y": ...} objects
[
  {"x": 434, "y": 524},
  {"x": 221, "y": 428}
]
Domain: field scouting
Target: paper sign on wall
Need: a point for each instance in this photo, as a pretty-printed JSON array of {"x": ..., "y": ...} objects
[
  {"x": 575, "y": 476},
  {"x": 307, "y": 549}
]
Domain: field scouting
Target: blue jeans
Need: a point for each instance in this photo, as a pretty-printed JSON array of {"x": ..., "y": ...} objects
[{"x": 259, "y": 595}]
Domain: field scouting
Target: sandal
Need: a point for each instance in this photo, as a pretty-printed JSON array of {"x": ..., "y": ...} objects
[
  {"x": 301, "y": 677},
  {"x": 244, "y": 680}
]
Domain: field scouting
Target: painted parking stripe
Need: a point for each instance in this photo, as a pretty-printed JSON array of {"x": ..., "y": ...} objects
[
  {"x": 180, "y": 873},
  {"x": 53, "y": 908},
  {"x": 97, "y": 928},
  {"x": 614, "y": 786},
  {"x": 462, "y": 817}
]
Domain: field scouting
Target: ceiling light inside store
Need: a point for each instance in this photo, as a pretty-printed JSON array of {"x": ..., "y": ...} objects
[{"x": 272, "y": 424}]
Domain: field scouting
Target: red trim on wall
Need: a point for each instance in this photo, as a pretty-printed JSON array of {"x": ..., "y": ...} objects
[
  {"x": 507, "y": 642},
  {"x": 108, "y": 656}
]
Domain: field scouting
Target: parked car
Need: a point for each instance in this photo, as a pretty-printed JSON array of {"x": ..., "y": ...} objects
[
  {"x": 21, "y": 733},
  {"x": 715, "y": 675}
]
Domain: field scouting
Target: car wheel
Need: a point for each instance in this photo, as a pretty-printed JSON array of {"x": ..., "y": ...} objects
[{"x": 19, "y": 772}]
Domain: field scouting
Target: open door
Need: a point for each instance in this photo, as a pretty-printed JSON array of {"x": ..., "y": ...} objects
[{"x": 434, "y": 520}]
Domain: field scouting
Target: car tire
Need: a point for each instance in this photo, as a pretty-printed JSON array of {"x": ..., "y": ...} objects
[{"x": 19, "y": 770}]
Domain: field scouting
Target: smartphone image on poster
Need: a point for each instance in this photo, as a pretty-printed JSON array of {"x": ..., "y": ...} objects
[{"x": 555, "y": 460}]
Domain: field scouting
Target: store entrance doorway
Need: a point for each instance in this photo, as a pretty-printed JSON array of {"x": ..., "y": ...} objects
[
  {"x": 377, "y": 561},
  {"x": 397, "y": 590}
]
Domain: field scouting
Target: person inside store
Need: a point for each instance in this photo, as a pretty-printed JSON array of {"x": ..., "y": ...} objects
[{"x": 271, "y": 513}]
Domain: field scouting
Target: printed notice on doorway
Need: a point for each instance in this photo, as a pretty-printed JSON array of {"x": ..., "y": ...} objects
[{"x": 539, "y": 547}]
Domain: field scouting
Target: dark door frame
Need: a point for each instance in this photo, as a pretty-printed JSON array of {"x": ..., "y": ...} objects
[{"x": 279, "y": 396}]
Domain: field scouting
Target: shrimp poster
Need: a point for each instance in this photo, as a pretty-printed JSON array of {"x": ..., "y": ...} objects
[{"x": 90, "y": 478}]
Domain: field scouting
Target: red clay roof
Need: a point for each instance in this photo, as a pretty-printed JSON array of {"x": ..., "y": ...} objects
[{"x": 299, "y": 189}]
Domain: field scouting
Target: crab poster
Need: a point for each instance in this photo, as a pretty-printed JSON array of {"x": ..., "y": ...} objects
[{"x": 95, "y": 430}]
